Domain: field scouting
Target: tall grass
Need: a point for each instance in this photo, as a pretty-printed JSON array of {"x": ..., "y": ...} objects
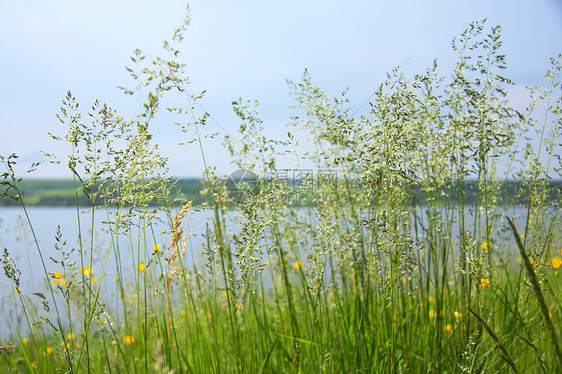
[{"x": 388, "y": 262}]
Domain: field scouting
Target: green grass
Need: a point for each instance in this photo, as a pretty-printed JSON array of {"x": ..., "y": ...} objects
[{"x": 406, "y": 262}]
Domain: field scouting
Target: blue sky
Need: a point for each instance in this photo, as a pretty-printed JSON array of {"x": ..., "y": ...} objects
[{"x": 238, "y": 49}]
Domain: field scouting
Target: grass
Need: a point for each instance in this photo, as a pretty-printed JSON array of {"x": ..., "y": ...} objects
[{"x": 391, "y": 267}]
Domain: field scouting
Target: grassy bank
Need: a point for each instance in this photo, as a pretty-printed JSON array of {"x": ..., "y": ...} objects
[{"x": 360, "y": 280}]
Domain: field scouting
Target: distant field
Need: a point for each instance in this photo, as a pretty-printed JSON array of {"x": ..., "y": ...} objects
[{"x": 61, "y": 192}]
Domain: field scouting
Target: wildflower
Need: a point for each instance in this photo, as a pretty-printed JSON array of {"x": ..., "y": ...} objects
[
  {"x": 238, "y": 306},
  {"x": 534, "y": 263},
  {"x": 49, "y": 349},
  {"x": 94, "y": 280},
  {"x": 404, "y": 280},
  {"x": 297, "y": 265},
  {"x": 62, "y": 282},
  {"x": 24, "y": 340},
  {"x": 457, "y": 314},
  {"x": 448, "y": 327},
  {"x": 86, "y": 271},
  {"x": 431, "y": 299},
  {"x": 556, "y": 262},
  {"x": 432, "y": 313},
  {"x": 69, "y": 336},
  {"x": 129, "y": 339},
  {"x": 34, "y": 365},
  {"x": 224, "y": 294},
  {"x": 141, "y": 266},
  {"x": 57, "y": 274},
  {"x": 156, "y": 247},
  {"x": 484, "y": 245},
  {"x": 183, "y": 312},
  {"x": 484, "y": 282}
]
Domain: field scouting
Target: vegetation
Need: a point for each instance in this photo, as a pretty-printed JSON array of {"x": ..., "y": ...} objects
[{"x": 409, "y": 273}]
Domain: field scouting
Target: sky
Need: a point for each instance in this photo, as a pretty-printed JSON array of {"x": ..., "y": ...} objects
[{"x": 238, "y": 49}]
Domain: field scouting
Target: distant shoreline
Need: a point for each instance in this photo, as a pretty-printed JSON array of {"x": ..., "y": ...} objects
[{"x": 62, "y": 193}]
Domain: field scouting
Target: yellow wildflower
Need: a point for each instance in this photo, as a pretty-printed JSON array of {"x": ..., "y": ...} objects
[
  {"x": 57, "y": 274},
  {"x": 156, "y": 247},
  {"x": 238, "y": 306},
  {"x": 297, "y": 265},
  {"x": 556, "y": 262},
  {"x": 24, "y": 340},
  {"x": 129, "y": 339},
  {"x": 404, "y": 280},
  {"x": 448, "y": 327},
  {"x": 86, "y": 271},
  {"x": 431, "y": 299},
  {"x": 141, "y": 266},
  {"x": 534, "y": 263},
  {"x": 69, "y": 336},
  {"x": 34, "y": 365},
  {"x": 484, "y": 245},
  {"x": 94, "y": 280},
  {"x": 62, "y": 282},
  {"x": 484, "y": 282},
  {"x": 49, "y": 350},
  {"x": 458, "y": 314},
  {"x": 432, "y": 313},
  {"x": 183, "y": 312}
]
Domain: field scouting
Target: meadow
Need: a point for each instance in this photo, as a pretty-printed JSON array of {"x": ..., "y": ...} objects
[{"x": 385, "y": 264}]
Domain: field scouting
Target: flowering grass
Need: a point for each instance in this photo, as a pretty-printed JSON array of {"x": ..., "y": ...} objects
[{"x": 387, "y": 269}]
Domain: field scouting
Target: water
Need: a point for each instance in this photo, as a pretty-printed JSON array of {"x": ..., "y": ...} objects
[{"x": 16, "y": 237}]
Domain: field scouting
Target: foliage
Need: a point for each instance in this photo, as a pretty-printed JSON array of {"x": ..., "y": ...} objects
[{"x": 388, "y": 263}]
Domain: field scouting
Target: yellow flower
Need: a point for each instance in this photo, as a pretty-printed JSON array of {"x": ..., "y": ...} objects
[
  {"x": 141, "y": 266},
  {"x": 49, "y": 350},
  {"x": 129, "y": 339},
  {"x": 56, "y": 281},
  {"x": 94, "y": 280},
  {"x": 484, "y": 282},
  {"x": 431, "y": 299},
  {"x": 484, "y": 245},
  {"x": 458, "y": 314},
  {"x": 34, "y": 365},
  {"x": 57, "y": 274},
  {"x": 297, "y": 265},
  {"x": 86, "y": 271},
  {"x": 62, "y": 282},
  {"x": 69, "y": 336},
  {"x": 156, "y": 247},
  {"x": 238, "y": 306},
  {"x": 404, "y": 280},
  {"x": 432, "y": 313},
  {"x": 24, "y": 340},
  {"x": 224, "y": 294},
  {"x": 448, "y": 327},
  {"x": 183, "y": 312},
  {"x": 556, "y": 262},
  {"x": 534, "y": 263}
]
